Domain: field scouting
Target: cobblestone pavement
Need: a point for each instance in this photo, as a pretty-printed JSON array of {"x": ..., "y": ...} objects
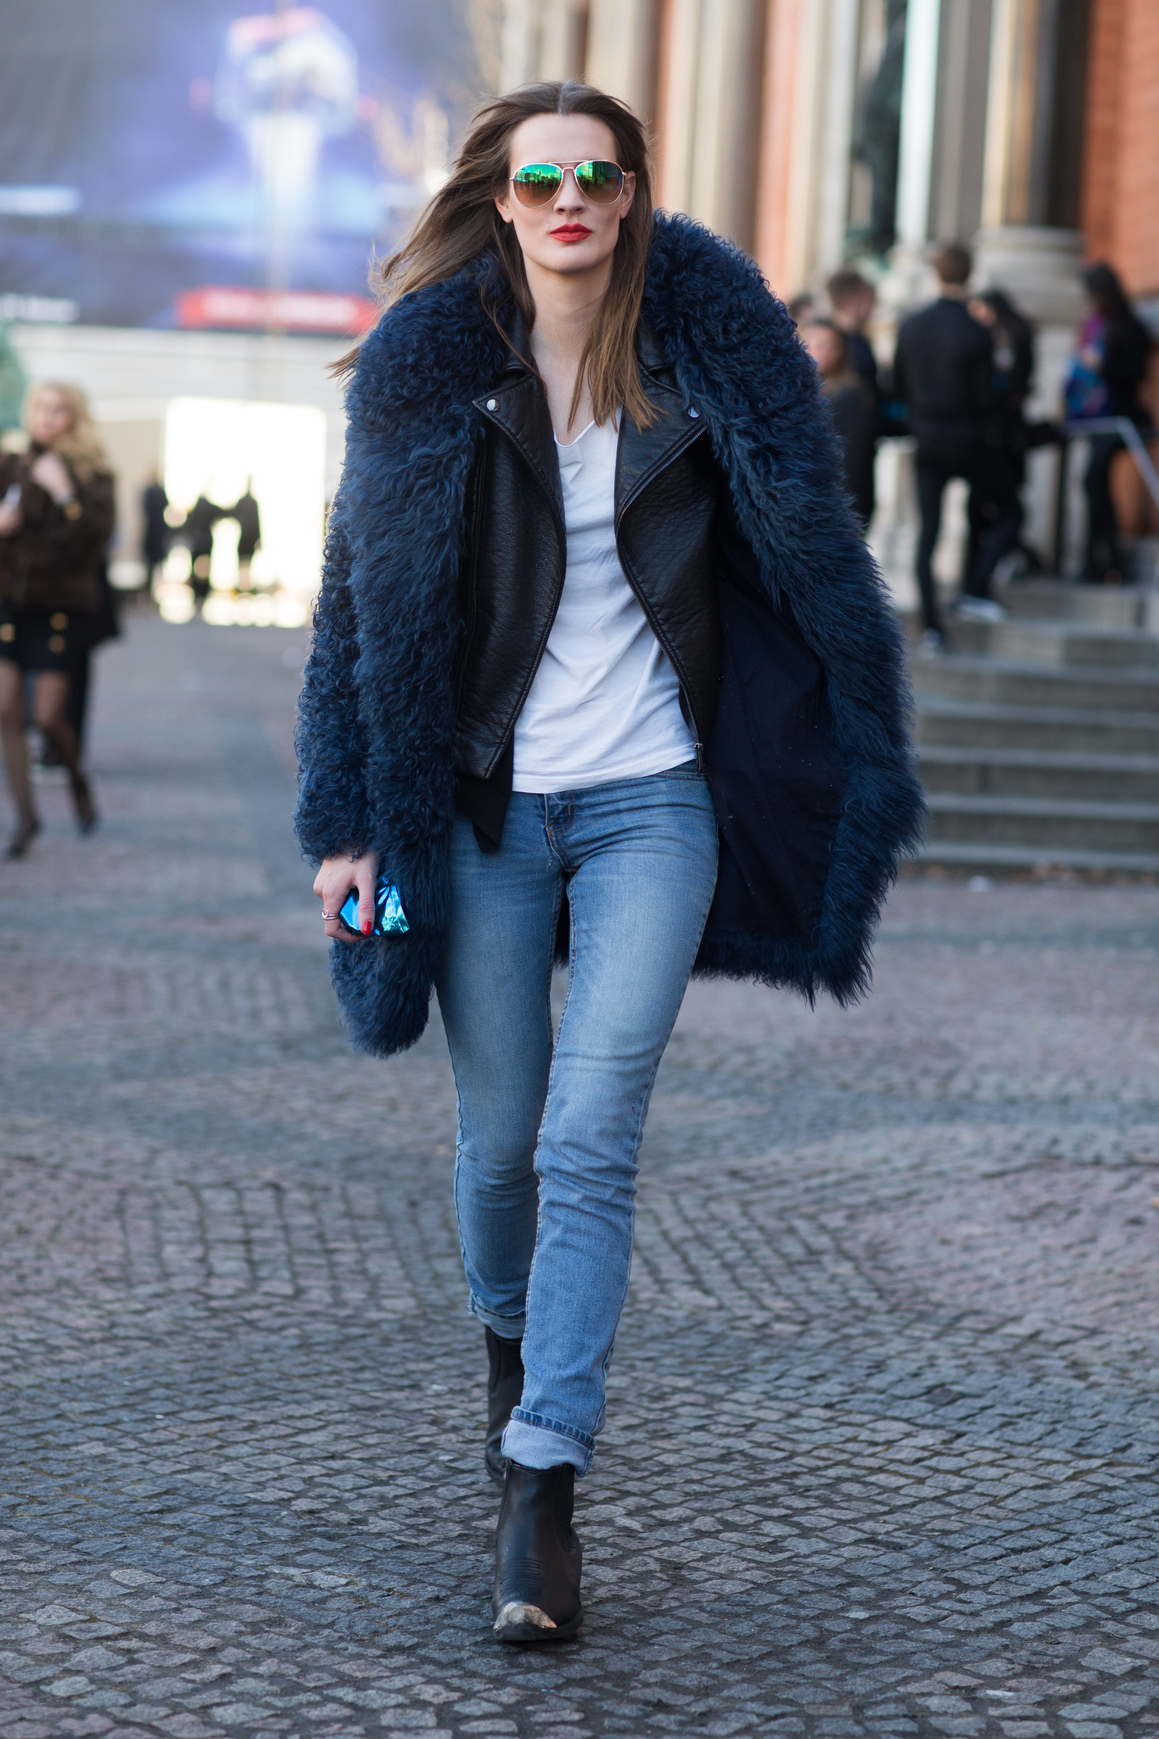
[{"x": 881, "y": 1448}]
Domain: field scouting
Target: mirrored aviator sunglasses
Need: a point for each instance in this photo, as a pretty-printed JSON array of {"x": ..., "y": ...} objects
[{"x": 538, "y": 183}]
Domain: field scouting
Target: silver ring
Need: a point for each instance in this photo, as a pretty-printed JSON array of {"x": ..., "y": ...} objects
[{"x": 331, "y": 917}]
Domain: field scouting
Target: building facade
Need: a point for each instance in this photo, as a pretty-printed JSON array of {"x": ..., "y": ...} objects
[
  {"x": 817, "y": 131},
  {"x": 820, "y": 132}
]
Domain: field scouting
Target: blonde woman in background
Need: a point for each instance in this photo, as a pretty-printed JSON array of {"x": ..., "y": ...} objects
[{"x": 56, "y": 517}]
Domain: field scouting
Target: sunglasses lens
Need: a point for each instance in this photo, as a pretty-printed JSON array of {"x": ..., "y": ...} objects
[
  {"x": 600, "y": 182},
  {"x": 537, "y": 183}
]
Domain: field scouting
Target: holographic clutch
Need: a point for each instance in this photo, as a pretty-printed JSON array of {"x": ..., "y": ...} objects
[{"x": 389, "y": 917}]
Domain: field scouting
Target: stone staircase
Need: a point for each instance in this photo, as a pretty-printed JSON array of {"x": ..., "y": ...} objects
[{"x": 1039, "y": 735}]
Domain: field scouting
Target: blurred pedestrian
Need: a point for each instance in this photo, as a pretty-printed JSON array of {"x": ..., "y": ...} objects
[
  {"x": 852, "y": 406},
  {"x": 943, "y": 372},
  {"x": 197, "y": 532},
  {"x": 249, "y": 537},
  {"x": 852, "y": 300},
  {"x": 104, "y": 624},
  {"x": 1108, "y": 368},
  {"x": 609, "y": 704},
  {"x": 56, "y": 518},
  {"x": 996, "y": 499},
  {"x": 156, "y": 535},
  {"x": 802, "y": 308}
]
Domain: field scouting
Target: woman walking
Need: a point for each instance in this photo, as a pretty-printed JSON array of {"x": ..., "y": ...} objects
[
  {"x": 56, "y": 517},
  {"x": 1107, "y": 370},
  {"x": 602, "y": 672}
]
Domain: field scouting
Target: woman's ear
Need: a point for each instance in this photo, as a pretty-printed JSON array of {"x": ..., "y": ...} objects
[{"x": 503, "y": 207}]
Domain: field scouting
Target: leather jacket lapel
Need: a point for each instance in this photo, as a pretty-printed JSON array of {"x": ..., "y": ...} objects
[
  {"x": 644, "y": 453},
  {"x": 517, "y": 404}
]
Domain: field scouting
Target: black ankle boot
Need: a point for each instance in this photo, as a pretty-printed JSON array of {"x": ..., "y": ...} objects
[
  {"x": 537, "y": 1556},
  {"x": 504, "y": 1388},
  {"x": 23, "y": 837},
  {"x": 82, "y": 798}
]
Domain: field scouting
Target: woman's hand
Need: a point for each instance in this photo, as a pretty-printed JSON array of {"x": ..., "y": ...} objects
[
  {"x": 10, "y": 519},
  {"x": 335, "y": 880},
  {"x": 52, "y": 475}
]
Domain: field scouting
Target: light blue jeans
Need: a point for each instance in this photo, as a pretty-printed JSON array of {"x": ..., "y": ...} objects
[{"x": 546, "y": 1165}]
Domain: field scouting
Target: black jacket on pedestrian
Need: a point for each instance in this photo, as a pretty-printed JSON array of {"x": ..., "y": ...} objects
[
  {"x": 445, "y": 561},
  {"x": 860, "y": 356},
  {"x": 157, "y": 538},
  {"x": 1125, "y": 359},
  {"x": 198, "y": 527},
  {"x": 249, "y": 525},
  {"x": 943, "y": 372},
  {"x": 854, "y": 411}
]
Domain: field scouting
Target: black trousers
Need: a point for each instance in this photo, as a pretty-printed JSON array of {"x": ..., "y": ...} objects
[
  {"x": 983, "y": 468},
  {"x": 1000, "y": 499},
  {"x": 1104, "y": 558}
]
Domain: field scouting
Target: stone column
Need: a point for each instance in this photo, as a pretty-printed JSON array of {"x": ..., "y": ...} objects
[
  {"x": 708, "y": 103},
  {"x": 909, "y": 278},
  {"x": 520, "y": 41},
  {"x": 806, "y": 121},
  {"x": 676, "y": 102},
  {"x": 563, "y": 39},
  {"x": 1029, "y": 243},
  {"x": 622, "y": 51},
  {"x": 918, "y": 109}
]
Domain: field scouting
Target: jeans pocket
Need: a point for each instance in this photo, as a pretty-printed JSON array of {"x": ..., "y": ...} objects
[{"x": 686, "y": 770}]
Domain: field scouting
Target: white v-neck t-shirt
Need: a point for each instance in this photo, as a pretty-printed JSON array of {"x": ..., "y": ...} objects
[{"x": 605, "y": 702}]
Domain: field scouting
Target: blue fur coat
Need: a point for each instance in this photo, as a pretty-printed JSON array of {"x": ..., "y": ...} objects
[{"x": 377, "y": 708}]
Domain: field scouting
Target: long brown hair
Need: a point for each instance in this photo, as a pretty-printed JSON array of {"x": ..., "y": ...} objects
[
  {"x": 462, "y": 222},
  {"x": 80, "y": 445}
]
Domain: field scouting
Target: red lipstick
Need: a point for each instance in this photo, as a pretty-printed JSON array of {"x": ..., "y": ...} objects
[{"x": 570, "y": 232}]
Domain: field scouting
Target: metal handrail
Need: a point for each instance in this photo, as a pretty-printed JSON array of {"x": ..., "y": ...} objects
[{"x": 1132, "y": 440}]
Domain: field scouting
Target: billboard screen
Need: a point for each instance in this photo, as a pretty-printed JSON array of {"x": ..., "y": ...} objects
[{"x": 205, "y": 163}]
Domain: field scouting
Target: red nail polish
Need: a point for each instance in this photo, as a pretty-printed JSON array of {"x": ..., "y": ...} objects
[{"x": 367, "y": 927}]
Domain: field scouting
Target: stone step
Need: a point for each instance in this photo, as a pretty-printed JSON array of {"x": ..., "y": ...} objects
[
  {"x": 1108, "y": 779},
  {"x": 1058, "y": 645},
  {"x": 988, "y": 858},
  {"x": 1046, "y": 824},
  {"x": 955, "y": 676},
  {"x": 952, "y": 724},
  {"x": 1062, "y": 600}
]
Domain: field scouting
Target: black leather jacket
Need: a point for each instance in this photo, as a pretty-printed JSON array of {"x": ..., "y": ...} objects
[{"x": 668, "y": 489}]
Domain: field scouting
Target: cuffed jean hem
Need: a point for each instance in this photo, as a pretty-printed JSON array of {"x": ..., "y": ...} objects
[
  {"x": 506, "y": 1327},
  {"x": 534, "y": 1441}
]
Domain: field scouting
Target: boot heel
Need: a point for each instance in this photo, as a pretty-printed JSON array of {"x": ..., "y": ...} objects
[
  {"x": 82, "y": 798},
  {"x": 23, "y": 837}
]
